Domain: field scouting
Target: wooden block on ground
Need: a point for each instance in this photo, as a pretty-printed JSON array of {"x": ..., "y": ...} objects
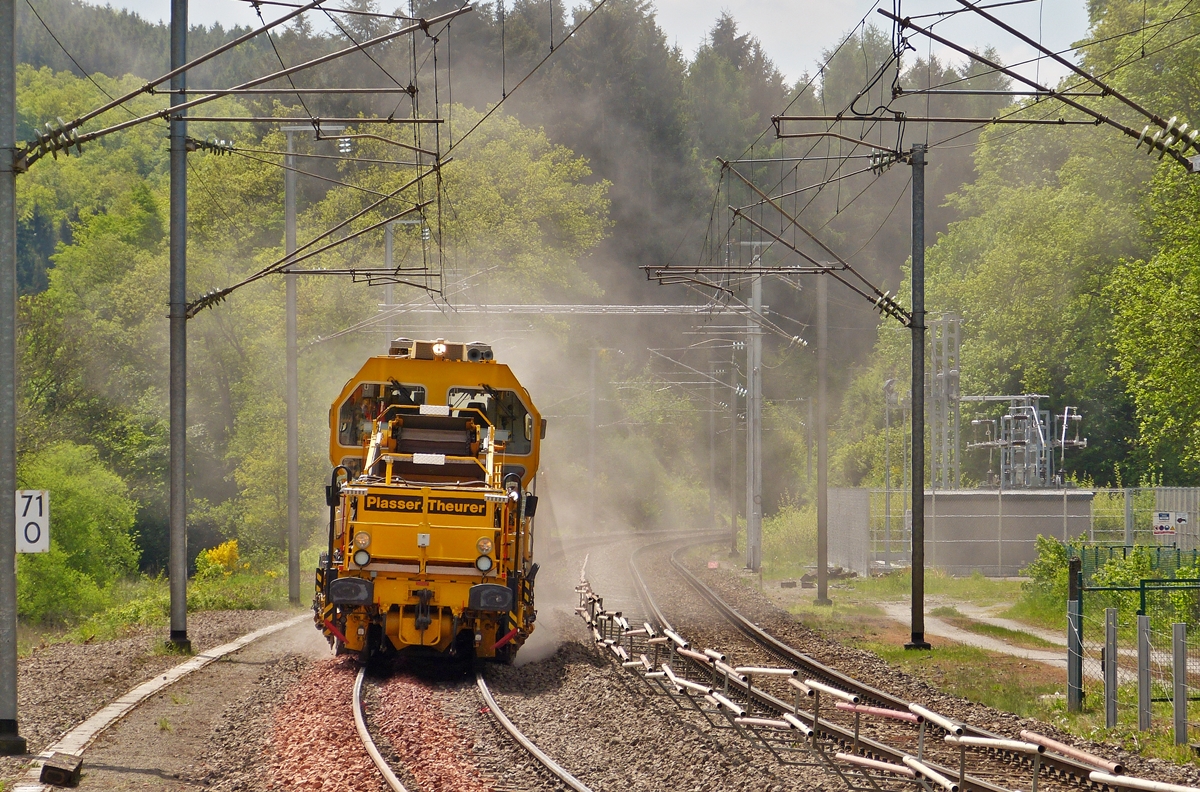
[{"x": 62, "y": 770}]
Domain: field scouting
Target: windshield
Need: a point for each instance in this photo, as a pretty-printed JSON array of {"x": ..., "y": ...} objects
[
  {"x": 367, "y": 402},
  {"x": 504, "y": 410}
]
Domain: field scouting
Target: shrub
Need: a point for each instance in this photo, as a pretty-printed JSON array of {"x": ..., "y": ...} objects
[
  {"x": 92, "y": 540},
  {"x": 790, "y": 538},
  {"x": 1048, "y": 572},
  {"x": 219, "y": 561}
]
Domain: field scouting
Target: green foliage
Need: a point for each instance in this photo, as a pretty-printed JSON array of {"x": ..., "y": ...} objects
[
  {"x": 94, "y": 356},
  {"x": 146, "y": 601},
  {"x": 789, "y": 539},
  {"x": 1048, "y": 572},
  {"x": 1155, "y": 342},
  {"x": 649, "y": 442},
  {"x": 1071, "y": 253},
  {"x": 732, "y": 88},
  {"x": 91, "y": 535}
]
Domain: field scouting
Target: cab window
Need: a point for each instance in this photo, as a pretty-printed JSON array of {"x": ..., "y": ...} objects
[
  {"x": 503, "y": 409},
  {"x": 367, "y": 402}
]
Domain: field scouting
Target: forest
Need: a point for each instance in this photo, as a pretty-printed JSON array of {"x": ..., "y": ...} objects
[{"x": 1070, "y": 257}]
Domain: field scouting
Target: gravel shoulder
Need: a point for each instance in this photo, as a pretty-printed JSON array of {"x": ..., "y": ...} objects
[{"x": 62, "y": 684}]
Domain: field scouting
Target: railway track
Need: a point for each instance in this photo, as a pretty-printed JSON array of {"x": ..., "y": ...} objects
[
  {"x": 834, "y": 737},
  {"x": 553, "y": 768},
  {"x": 1054, "y": 764}
]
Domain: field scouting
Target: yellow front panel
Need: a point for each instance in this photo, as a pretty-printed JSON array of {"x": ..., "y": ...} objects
[{"x": 396, "y": 517}]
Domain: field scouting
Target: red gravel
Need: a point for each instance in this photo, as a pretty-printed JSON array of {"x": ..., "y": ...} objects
[
  {"x": 316, "y": 746},
  {"x": 436, "y": 754}
]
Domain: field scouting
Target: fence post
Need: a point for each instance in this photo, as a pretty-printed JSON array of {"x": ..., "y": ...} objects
[
  {"x": 1179, "y": 671},
  {"x": 1074, "y": 657},
  {"x": 1128, "y": 516},
  {"x": 1074, "y": 635},
  {"x": 1110, "y": 667},
  {"x": 1143, "y": 671}
]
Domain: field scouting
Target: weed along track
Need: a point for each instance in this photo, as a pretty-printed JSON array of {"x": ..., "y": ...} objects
[{"x": 817, "y": 721}]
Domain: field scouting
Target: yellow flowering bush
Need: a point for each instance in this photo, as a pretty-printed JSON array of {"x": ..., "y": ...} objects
[{"x": 218, "y": 561}]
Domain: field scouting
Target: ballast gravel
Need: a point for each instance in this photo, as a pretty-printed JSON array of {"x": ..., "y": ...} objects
[
  {"x": 314, "y": 746},
  {"x": 59, "y": 685},
  {"x": 425, "y": 743},
  {"x": 608, "y": 728},
  {"x": 236, "y": 758}
]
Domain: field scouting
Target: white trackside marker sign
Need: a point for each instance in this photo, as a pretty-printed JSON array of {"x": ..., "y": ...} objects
[{"x": 33, "y": 521}]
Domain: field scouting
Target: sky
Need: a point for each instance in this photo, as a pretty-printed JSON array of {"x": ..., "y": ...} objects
[{"x": 793, "y": 32}]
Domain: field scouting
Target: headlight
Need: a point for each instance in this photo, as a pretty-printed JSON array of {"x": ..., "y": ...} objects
[
  {"x": 362, "y": 557},
  {"x": 483, "y": 563},
  {"x": 484, "y": 545},
  {"x": 362, "y": 539}
]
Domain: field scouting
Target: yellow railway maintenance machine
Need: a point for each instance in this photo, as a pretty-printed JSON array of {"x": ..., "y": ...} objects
[{"x": 435, "y": 447}]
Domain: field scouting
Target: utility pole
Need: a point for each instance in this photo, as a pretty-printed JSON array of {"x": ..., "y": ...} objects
[
  {"x": 388, "y": 295},
  {"x": 918, "y": 399},
  {"x": 808, "y": 435},
  {"x": 822, "y": 443},
  {"x": 754, "y": 427},
  {"x": 712, "y": 445},
  {"x": 592, "y": 355},
  {"x": 11, "y": 742},
  {"x": 177, "y": 561},
  {"x": 733, "y": 450},
  {"x": 889, "y": 394},
  {"x": 293, "y": 379}
]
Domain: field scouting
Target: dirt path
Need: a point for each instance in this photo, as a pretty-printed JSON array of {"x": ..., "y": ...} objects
[
  {"x": 202, "y": 731},
  {"x": 901, "y": 612}
]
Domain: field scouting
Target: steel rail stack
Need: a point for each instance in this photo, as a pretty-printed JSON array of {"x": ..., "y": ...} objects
[{"x": 733, "y": 697}]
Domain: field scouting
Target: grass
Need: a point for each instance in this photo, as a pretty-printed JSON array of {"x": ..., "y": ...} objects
[
  {"x": 164, "y": 725},
  {"x": 1002, "y": 681},
  {"x": 975, "y": 589},
  {"x": 1043, "y": 612},
  {"x": 146, "y": 602},
  {"x": 978, "y": 675},
  {"x": 951, "y": 615}
]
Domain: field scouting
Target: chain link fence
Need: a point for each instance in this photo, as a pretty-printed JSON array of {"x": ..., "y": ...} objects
[{"x": 1138, "y": 653}]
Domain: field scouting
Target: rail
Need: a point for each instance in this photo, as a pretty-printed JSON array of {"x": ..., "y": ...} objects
[
  {"x": 360, "y": 724},
  {"x": 554, "y": 767},
  {"x": 844, "y": 737},
  {"x": 385, "y": 770}
]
